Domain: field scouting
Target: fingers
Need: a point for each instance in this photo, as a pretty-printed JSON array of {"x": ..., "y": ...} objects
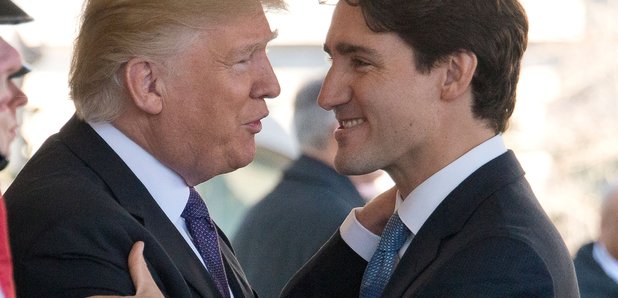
[
  {"x": 145, "y": 285},
  {"x": 142, "y": 279},
  {"x": 375, "y": 214}
]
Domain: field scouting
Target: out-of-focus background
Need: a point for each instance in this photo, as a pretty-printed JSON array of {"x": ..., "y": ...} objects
[{"x": 564, "y": 128}]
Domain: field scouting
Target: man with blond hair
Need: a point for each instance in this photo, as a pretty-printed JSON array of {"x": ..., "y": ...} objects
[{"x": 168, "y": 94}]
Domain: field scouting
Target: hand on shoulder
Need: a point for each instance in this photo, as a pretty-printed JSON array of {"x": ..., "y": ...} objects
[
  {"x": 375, "y": 214},
  {"x": 142, "y": 279}
]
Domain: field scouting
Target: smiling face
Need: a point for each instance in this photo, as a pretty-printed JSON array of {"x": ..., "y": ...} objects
[
  {"x": 387, "y": 109},
  {"x": 11, "y": 97},
  {"x": 213, "y": 100}
]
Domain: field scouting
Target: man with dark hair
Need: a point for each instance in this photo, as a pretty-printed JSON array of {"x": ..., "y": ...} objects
[{"x": 424, "y": 90}]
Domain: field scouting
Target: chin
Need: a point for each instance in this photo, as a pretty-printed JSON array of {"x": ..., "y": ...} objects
[
  {"x": 6, "y": 152},
  {"x": 244, "y": 158},
  {"x": 352, "y": 164}
]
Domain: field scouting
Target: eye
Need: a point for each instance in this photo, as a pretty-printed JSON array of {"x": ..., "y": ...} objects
[{"x": 357, "y": 62}]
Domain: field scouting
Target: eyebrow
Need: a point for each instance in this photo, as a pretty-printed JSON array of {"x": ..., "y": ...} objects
[
  {"x": 251, "y": 48},
  {"x": 23, "y": 70},
  {"x": 347, "y": 48}
]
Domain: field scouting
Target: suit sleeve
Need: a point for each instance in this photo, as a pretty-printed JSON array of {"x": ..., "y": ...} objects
[
  {"x": 334, "y": 271},
  {"x": 84, "y": 254}
]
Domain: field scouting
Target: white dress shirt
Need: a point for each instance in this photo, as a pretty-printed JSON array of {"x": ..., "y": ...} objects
[
  {"x": 167, "y": 187},
  {"x": 424, "y": 199},
  {"x": 605, "y": 260}
]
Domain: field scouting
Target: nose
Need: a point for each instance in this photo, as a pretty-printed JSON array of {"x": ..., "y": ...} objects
[
  {"x": 335, "y": 90},
  {"x": 18, "y": 98},
  {"x": 11, "y": 97},
  {"x": 267, "y": 85}
]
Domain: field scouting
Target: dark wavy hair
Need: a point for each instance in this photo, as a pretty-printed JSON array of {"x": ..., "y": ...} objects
[{"x": 494, "y": 30}]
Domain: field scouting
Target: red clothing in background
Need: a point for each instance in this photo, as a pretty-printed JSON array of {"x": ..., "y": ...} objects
[{"x": 6, "y": 266}]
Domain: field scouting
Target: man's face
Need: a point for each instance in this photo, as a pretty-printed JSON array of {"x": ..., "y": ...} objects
[
  {"x": 11, "y": 97},
  {"x": 385, "y": 107},
  {"x": 214, "y": 98}
]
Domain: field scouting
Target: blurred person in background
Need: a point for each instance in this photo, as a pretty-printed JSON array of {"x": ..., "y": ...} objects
[
  {"x": 11, "y": 98},
  {"x": 168, "y": 94},
  {"x": 596, "y": 263},
  {"x": 284, "y": 229},
  {"x": 424, "y": 90}
]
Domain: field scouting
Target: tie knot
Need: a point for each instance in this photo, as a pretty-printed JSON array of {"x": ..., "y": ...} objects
[
  {"x": 394, "y": 235},
  {"x": 195, "y": 208}
]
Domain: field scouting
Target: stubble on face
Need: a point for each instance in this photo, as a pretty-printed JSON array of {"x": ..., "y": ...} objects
[{"x": 374, "y": 84}]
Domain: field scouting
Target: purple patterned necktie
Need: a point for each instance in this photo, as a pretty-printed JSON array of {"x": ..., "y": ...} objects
[{"x": 205, "y": 238}]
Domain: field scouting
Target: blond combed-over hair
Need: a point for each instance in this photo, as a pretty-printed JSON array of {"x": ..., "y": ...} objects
[{"x": 114, "y": 31}]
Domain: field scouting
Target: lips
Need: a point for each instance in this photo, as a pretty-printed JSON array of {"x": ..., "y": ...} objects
[
  {"x": 255, "y": 126},
  {"x": 12, "y": 133}
]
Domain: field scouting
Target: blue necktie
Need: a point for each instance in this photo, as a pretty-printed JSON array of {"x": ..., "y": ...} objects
[
  {"x": 204, "y": 235},
  {"x": 384, "y": 260}
]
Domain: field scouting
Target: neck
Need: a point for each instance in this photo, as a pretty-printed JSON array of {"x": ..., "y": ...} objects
[{"x": 418, "y": 166}]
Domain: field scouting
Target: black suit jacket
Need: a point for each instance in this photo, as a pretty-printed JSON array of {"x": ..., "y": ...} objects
[
  {"x": 291, "y": 223},
  {"x": 75, "y": 211},
  {"x": 488, "y": 238},
  {"x": 593, "y": 281}
]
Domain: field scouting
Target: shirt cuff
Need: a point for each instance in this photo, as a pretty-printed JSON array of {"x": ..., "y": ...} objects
[{"x": 361, "y": 240}]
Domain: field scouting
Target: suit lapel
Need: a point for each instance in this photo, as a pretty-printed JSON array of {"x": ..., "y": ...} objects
[
  {"x": 450, "y": 217},
  {"x": 235, "y": 275},
  {"x": 133, "y": 196}
]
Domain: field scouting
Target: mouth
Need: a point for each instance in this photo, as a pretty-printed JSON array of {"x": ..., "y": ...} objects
[
  {"x": 346, "y": 124},
  {"x": 13, "y": 133},
  {"x": 255, "y": 126}
]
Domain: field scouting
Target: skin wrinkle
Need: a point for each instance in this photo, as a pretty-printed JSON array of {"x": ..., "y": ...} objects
[
  {"x": 11, "y": 98},
  {"x": 217, "y": 107}
]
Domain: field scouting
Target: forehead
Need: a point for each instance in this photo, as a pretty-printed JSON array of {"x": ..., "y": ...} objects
[
  {"x": 10, "y": 61},
  {"x": 223, "y": 43},
  {"x": 348, "y": 22},
  {"x": 239, "y": 35},
  {"x": 349, "y": 33}
]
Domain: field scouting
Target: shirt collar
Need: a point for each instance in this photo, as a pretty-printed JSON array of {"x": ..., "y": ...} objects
[
  {"x": 605, "y": 260},
  {"x": 426, "y": 197},
  {"x": 167, "y": 188}
]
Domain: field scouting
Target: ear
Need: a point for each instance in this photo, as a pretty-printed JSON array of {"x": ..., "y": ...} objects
[
  {"x": 460, "y": 68},
  {"x": 143, "y": 84}
]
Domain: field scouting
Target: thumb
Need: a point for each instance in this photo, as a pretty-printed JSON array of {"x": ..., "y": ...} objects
[{"x": 145, "y": 285}]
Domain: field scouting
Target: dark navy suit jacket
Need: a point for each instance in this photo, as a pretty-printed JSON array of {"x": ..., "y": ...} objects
[
  {"x": 76, "y": 209},
  {"x": 593, "y": 281},
  {"x": 488, "y": 238}
]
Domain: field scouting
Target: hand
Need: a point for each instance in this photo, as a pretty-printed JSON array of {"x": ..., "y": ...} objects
[
  {"x": 142, "y": 279},
  {"x": 376, "y": 213}
]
